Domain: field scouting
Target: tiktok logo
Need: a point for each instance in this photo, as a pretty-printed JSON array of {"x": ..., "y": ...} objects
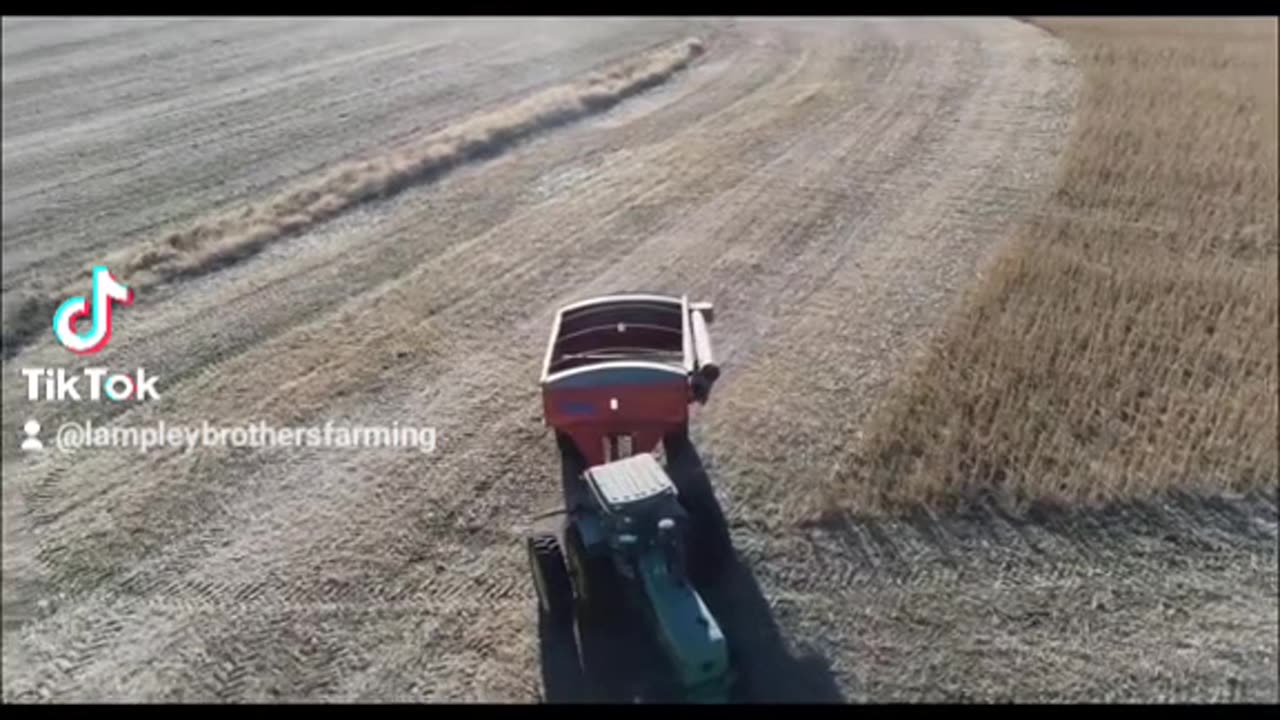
[
  {"x": 59, "y": 384},
  {"x": 106, "y": 289}
]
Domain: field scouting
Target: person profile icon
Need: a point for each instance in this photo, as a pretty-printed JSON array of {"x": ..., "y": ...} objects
[{"x": 31, "y": 442}]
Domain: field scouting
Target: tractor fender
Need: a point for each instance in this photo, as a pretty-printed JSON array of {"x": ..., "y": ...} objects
[{"x": 595, "y": 537}]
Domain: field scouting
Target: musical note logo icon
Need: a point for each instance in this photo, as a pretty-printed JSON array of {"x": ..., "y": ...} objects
[{"x": 106, "y": 290}]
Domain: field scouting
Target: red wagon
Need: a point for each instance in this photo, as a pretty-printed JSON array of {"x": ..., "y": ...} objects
[{"x": 621, "y": 371}]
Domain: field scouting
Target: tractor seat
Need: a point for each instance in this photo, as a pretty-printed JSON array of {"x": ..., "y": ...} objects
[{"x": 629, "y": 481}]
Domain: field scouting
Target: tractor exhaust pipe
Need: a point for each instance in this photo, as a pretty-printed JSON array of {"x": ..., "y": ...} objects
[
  {"x": 702, "y": 315},
  {"x": 706, "y": 371}
]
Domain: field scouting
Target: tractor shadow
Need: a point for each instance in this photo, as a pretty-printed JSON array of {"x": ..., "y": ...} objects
[
  {"x": 767, "y": 672},
  {"x": 622, "y": 663}
]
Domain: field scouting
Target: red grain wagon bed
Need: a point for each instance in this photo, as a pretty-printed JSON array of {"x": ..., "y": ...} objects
[{"x": 621, "y": 371}]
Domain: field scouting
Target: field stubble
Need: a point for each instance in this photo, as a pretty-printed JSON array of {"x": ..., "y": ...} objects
[{"x": 1124, "y": 343}]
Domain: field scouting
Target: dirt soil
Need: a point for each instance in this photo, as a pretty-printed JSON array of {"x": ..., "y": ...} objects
[{"x": 828, "y": 184}]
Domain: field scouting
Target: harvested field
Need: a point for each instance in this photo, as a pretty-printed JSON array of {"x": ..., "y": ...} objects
[{"x": 830, "y": 185}]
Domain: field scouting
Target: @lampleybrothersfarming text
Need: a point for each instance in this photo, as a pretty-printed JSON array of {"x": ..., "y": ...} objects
[{"x": 74, "y": 436}]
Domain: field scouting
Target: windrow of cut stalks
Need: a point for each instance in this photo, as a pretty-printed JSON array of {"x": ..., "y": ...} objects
[{"x": 234, "y": 234}]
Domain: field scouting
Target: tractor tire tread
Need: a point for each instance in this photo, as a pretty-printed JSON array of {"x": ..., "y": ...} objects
[{"x": 549, "y": 562}]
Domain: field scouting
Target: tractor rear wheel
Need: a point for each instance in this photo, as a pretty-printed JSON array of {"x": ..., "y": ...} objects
[
  {"x": 551, "y": 579},
  {"x": 562, "y": 676}
]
